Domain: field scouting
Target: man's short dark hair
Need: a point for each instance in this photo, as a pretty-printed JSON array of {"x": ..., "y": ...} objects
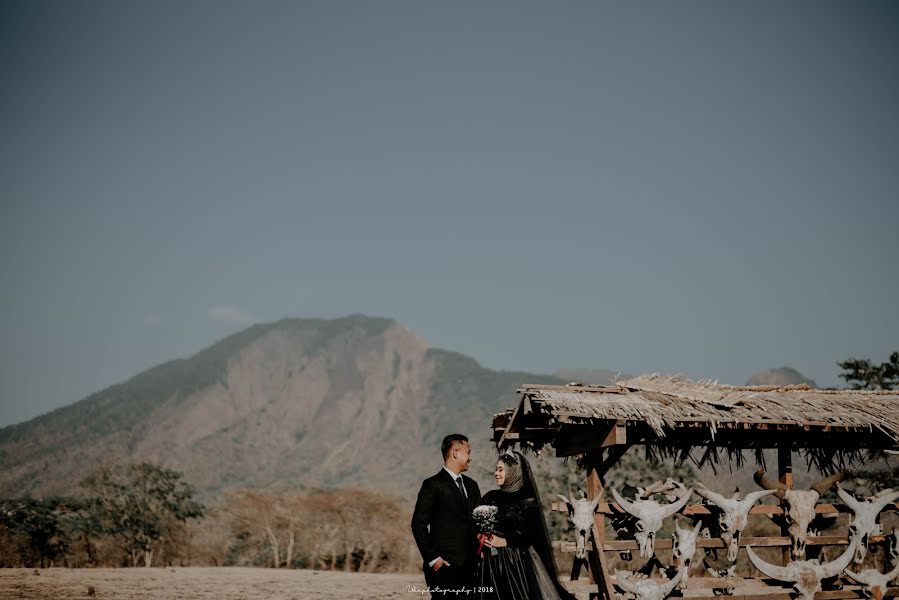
[{"x": 448, "y": 442}]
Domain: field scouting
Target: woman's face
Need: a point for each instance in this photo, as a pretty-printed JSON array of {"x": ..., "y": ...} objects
[{"x": 500, "y": 474}]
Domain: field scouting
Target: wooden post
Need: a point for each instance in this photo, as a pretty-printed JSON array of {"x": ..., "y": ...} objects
[
  {"x": 785, "y": 476},
  {"x": 599, "y": 569}
]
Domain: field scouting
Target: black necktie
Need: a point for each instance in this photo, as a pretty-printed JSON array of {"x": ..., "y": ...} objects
[{"x": 461, "y": 488}]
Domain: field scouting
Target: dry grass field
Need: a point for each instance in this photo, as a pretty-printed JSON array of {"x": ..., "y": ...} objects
[{"x": 204, "y": 583}]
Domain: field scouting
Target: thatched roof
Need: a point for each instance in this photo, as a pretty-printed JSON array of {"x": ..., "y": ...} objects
[{"x": 679, "y": 413}]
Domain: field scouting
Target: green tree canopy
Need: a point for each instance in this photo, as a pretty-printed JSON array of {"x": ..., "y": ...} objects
[
  {"x": 140, "y": 504},
  {"x": 861, "y": 374}
]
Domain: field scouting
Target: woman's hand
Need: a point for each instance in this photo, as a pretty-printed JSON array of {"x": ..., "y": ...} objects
[{"x": 494, "y": 541}]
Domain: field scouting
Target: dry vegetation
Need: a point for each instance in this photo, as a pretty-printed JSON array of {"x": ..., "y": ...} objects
[{"x": 335, "y": 530}]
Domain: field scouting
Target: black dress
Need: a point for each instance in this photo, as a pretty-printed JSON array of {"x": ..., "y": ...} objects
[{"x": 517, "y": 572}]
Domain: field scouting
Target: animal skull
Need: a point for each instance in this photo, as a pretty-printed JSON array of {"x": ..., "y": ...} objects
[
  {"x": 721, "y": 573},
  {"x": 734, "y": 515},
  {"x": 875, "y": 583},
  {"x": 684, "y": 549},
  {"x": 650, "y": 515},
  {"x": 645, "y": 589},
  {"x": 800, "y": 506},
  {"x": 580, "y": 514},
  {"x": 805, "y": 575},
  {"x": 671, "y": 489},
  {"x": 864, "y": 520}
]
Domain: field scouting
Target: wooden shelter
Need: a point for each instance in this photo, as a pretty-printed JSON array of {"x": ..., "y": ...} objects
[{"x": 673, "y": 416}]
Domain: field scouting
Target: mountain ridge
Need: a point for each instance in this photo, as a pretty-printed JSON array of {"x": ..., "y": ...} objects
[{"x": 298, "y": 402}]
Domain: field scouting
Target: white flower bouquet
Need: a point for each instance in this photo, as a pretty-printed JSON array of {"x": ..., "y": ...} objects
[{"x": 484, "y": 516}]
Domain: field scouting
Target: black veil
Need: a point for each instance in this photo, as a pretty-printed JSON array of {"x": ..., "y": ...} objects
[{"x": 541, "y": 544}]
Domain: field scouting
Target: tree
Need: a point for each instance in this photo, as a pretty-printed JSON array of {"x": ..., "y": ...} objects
[
  {"x": 46, "y": 523},
  {"x": 141, "y": 504},
  {"x": 862, "y": 375},
  {"x": 271, "y": 518}
]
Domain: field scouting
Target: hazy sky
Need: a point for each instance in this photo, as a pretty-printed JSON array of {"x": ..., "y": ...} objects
[{"x": 709, "y": 188}]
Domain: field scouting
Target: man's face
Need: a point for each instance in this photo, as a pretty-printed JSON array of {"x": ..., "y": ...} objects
[{"x": 462, "y": 454}]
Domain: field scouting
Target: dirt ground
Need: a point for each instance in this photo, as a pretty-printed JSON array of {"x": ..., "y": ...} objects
[{"x": 206, "y": 583}]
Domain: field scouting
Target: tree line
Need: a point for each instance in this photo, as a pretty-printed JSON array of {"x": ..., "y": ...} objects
[{"x": 142, "y": 514}]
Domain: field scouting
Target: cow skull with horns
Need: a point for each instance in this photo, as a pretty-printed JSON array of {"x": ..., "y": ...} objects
[
  {"x": 580, "y": 513},
  {"x": 805, "y": 575},
  {"x": 734, "y": 515},
  {"x": 864, "y": 520},
  {"x": 649, "y": 515},
  {"x": 645, "y": 589},
  {"x": 874, "y": 582},
  {"x": 800, "y": 506},
  {"x": 684, "y": 548}
]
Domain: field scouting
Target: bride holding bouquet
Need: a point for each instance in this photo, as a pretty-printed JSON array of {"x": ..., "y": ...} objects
[{"x": 515, "y": 555}]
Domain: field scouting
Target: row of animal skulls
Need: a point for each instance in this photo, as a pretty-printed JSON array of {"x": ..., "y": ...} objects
[
  {"x": 805, "y": 576},
  {"x": 733, "y": 512}
]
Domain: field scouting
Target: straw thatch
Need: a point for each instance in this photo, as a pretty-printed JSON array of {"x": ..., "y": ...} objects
[{"x": 679, "y": 414}]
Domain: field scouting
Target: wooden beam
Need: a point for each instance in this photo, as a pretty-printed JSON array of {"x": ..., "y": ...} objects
[
  {"x": 574, "y": 439},
  {"x": 502, "y": 439},
  {"x": 599, "y": 567},
  {"x": 617, "y": 436},
  {"x": 785, "y": 476}
]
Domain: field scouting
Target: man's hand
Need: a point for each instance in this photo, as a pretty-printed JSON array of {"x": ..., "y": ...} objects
[{"x": 440, "y": 563}]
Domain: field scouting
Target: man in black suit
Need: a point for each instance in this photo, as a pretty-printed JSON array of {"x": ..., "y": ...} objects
[{"x": 442, "y": 523}]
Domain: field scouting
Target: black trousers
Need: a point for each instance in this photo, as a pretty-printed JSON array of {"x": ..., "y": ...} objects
[{"x": 450, "y": 582}]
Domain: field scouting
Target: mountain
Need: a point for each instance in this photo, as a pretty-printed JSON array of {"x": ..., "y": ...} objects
[
  {"x": 299, "y": 402},
  {"x": 780, "y": 377}
]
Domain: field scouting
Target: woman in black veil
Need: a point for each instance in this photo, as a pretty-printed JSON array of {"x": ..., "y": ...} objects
[{"x": 523, "y": 567}]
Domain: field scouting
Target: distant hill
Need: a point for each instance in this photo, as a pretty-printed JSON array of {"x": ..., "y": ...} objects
[
  {"x": 781, "y": 376},
  {"x": 299, "y": 402}
]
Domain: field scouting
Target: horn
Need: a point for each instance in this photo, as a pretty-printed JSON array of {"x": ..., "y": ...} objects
[
  {"x": 716, "y": 498},
  {"x": 772, "y": 571},
  {"x": 626, "y": 506},
  {"x": 623, "y": 583},
  {"x": 885, "y": 499},
  {"x": 836, "y": 567},
  {"x": 697, "y": 527},
  {"x": 564, "y": 499},
  {"x": 769, "y": 484},
  {"x": 894, "y": 573},
  {"x": 821, "y": 486},
  {"x": 676, "y": 506},
  {"x": 848, "y": 498},
  {"x": 754, "y": 497},
  {"x": 667, "y": 587}
]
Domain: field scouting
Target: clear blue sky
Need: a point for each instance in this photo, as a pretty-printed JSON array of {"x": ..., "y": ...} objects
[{"x": 710, "y": 188}]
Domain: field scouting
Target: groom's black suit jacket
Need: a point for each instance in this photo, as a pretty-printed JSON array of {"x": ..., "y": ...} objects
[{"x": 452, "y": 534}]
